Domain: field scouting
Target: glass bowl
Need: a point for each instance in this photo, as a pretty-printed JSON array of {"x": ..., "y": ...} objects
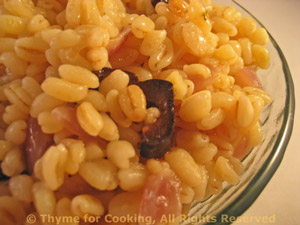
[{"x": 263, "y": 160}]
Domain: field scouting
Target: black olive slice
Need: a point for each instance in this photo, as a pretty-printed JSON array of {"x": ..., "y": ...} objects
[
  {"x": 154, "y": 2},
  {"x": 2, "y": 176},
  {"x": 104, "y": 72},
  {"x": 157, "y": 137}
]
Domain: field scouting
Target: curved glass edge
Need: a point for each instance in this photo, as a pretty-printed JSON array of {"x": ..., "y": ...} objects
[{"x": 260, "y": 180}]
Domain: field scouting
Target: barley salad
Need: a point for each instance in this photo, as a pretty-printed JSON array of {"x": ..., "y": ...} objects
[{"x": 124, "y": 112}]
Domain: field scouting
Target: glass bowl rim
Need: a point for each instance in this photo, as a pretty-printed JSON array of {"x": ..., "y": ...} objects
[{"x": 246, "y": 198}]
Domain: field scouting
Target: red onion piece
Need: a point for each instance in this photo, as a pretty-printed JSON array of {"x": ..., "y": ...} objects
[
  {"x": 36, "y": 143},
  {"x": 161, "y": 197},
  {"x": 67, "y": 116},
  {"x": 247, "y": 77},
  {"x": 115, "y": 44}
]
